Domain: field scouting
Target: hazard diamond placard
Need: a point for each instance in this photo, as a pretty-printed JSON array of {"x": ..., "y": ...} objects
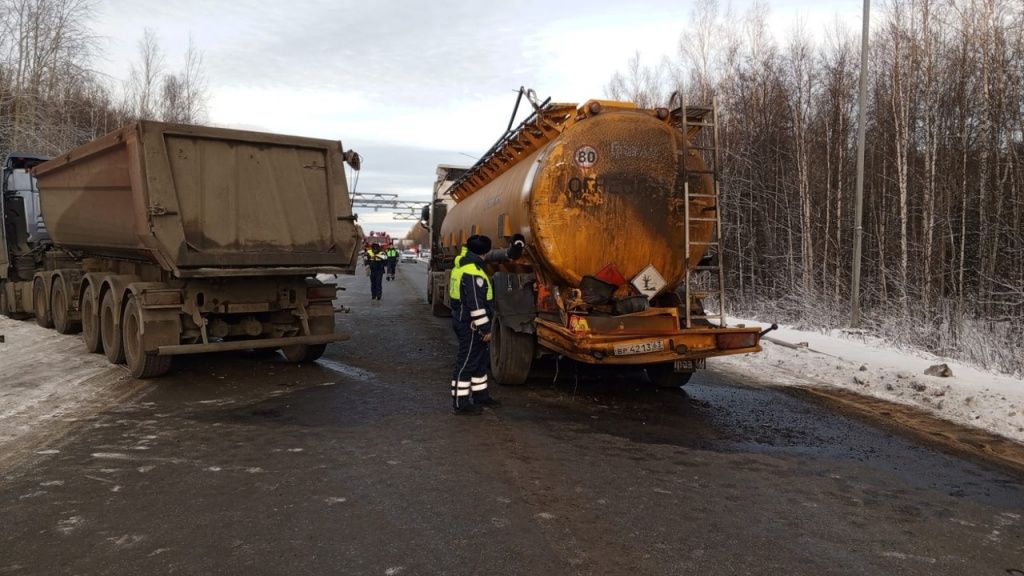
[{"x": 649, "y": 281}]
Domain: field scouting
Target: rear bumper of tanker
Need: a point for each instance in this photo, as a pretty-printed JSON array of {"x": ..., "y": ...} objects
[{"x": 635, "y": 349}]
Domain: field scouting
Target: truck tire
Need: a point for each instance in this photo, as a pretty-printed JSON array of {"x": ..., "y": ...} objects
[
  {"x": 110, "y": 335},
  {"x": 438, "y": 309},
  {"x": 41, "y": 304},
  {"x": 305, "y": 352},
  {"x": 60, "y": 311},
  {"x": 140, "y": 364},
  {"x": 90, "y": 322},
  {"x": 511, "y": 354},
  {"x": 665, "y": 376}
]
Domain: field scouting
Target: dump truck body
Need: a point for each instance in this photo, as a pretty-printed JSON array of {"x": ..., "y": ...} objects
[
  {"x": 190, "y": 198},
  {"x": 172, "y": 239},
  {"x": 609, "y": 197}
]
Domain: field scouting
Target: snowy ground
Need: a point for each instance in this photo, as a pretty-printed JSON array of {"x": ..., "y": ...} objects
[
  {"x": 48, "y": 382},
  {"x": 864, "y": 365}
]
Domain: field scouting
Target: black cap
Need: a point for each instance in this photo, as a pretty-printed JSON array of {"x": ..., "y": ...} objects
[
  {"x": 375, "y": 246},
  {"x": 478, "y": 244}
]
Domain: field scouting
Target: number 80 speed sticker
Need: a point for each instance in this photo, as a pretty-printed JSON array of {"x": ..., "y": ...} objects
[{"x": 585, "y": 156}]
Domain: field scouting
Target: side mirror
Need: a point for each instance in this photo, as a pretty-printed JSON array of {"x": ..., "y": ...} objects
[
  {"x": 353, "y": 159},
  {"x": 425, "y": 214}
]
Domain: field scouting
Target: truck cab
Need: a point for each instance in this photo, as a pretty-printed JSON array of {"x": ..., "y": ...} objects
[
  {"x": 23, "y": 217},
  {"x": 23, "y": 232},
  {"x": 431, "y": 218}
]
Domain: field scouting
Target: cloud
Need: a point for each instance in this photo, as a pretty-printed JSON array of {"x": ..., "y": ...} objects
[{"x": 409, "y": 84}]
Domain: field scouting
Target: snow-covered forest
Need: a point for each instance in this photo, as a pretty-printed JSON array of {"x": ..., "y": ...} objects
[
  {"x": 51, "y": 96},
  {"x": 943, "y": 265}
]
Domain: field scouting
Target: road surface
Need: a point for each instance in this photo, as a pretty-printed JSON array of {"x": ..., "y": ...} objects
[{"x": 243, "y": 464}]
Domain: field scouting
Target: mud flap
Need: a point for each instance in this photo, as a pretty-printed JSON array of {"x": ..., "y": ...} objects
[
  {"x": 160, "y": 328},
  {"x": 514, "y": 301}
]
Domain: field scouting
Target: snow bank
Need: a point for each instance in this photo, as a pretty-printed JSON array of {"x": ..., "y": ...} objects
[
  {"x": 47, "y": 378},
  {"x": 861, "y": 364}
]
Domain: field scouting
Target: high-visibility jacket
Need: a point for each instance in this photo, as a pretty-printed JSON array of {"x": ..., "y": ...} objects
[
  {"x": 373, "y": 256},
  {"x": 470, "y": 269},
  {"x": 392, "y": 253},
  {"x": 472, "y": 294},
  {"x": 456, "y": 274}
]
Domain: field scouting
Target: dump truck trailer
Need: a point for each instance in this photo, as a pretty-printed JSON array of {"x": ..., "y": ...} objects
[
  {"x": 164, "y": 239},
  {"x": 619, "y": 207}
]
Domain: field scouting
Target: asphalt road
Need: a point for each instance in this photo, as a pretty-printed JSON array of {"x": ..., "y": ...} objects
[{"x": 243, "y": 464}]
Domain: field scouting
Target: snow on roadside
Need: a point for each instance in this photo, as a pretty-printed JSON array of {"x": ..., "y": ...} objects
[
  {"x": 46, "y": 377},
  {"x": 868, "y": 366}
]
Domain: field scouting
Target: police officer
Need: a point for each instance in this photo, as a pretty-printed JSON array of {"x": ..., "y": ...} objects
[
  {"x": 471, "y": 296},
  {"x": 375, "y": 260},
  {"x": 392, "y": 258}
]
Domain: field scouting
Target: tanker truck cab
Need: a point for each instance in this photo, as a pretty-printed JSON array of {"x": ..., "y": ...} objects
[{"x": 619, "y": 206}]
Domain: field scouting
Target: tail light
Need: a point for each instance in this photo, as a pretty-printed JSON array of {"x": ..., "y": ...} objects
[
  {"x": 321, "y": 292},
  {"x": 734, "y": 340}
]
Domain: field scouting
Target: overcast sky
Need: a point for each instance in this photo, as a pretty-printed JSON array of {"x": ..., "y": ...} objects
[{"x": 408, "y": 84}]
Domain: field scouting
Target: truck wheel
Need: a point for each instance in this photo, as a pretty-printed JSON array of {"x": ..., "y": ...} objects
[
  {"x": 665, "y": 376},
  {"x": 59, "y": 309},
  {"x": 305, "y": 352},
  {"x": 40, "y": 304},
  {"x": 110, "y": 335},
  {"x": 90, "y": 322},
  {"x": 140, "y": 364},
  {"x": 511, "y": 354}
]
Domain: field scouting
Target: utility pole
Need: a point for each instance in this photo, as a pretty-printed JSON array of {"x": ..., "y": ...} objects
[{"x": 858, "y": 230}]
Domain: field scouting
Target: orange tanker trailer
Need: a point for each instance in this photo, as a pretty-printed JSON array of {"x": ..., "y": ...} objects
[{"x": 619, "y": 208}]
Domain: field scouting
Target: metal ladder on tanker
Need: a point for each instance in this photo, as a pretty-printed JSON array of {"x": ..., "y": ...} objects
[{"x": 705, "y": 120}]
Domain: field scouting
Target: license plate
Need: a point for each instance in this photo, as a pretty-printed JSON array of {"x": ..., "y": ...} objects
[{"x": 639, "y": 348}]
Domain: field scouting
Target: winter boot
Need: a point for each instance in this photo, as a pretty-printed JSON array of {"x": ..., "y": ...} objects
[
  {"x": 468, "y": 409},
  {"x": 486, "y": 400}
]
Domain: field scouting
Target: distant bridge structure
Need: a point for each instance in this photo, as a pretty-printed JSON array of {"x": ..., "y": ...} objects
[{"x": 403, "y": 209}]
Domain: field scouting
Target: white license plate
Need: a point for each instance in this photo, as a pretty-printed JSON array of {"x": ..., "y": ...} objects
[{"x": 640, "y": 348}]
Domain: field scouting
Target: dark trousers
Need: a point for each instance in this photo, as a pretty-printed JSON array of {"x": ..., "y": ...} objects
[
  {"x": 376, "y": 281},
  {"x": 391, "y": 267},
  {"x": 469, "y": 378}
]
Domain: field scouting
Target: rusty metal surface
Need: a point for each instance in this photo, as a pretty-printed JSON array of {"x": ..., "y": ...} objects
[
  {"x": 598, "y": 348},
  {"x": 621, "y": 206},
  {"x": 187, "y": 197}
]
